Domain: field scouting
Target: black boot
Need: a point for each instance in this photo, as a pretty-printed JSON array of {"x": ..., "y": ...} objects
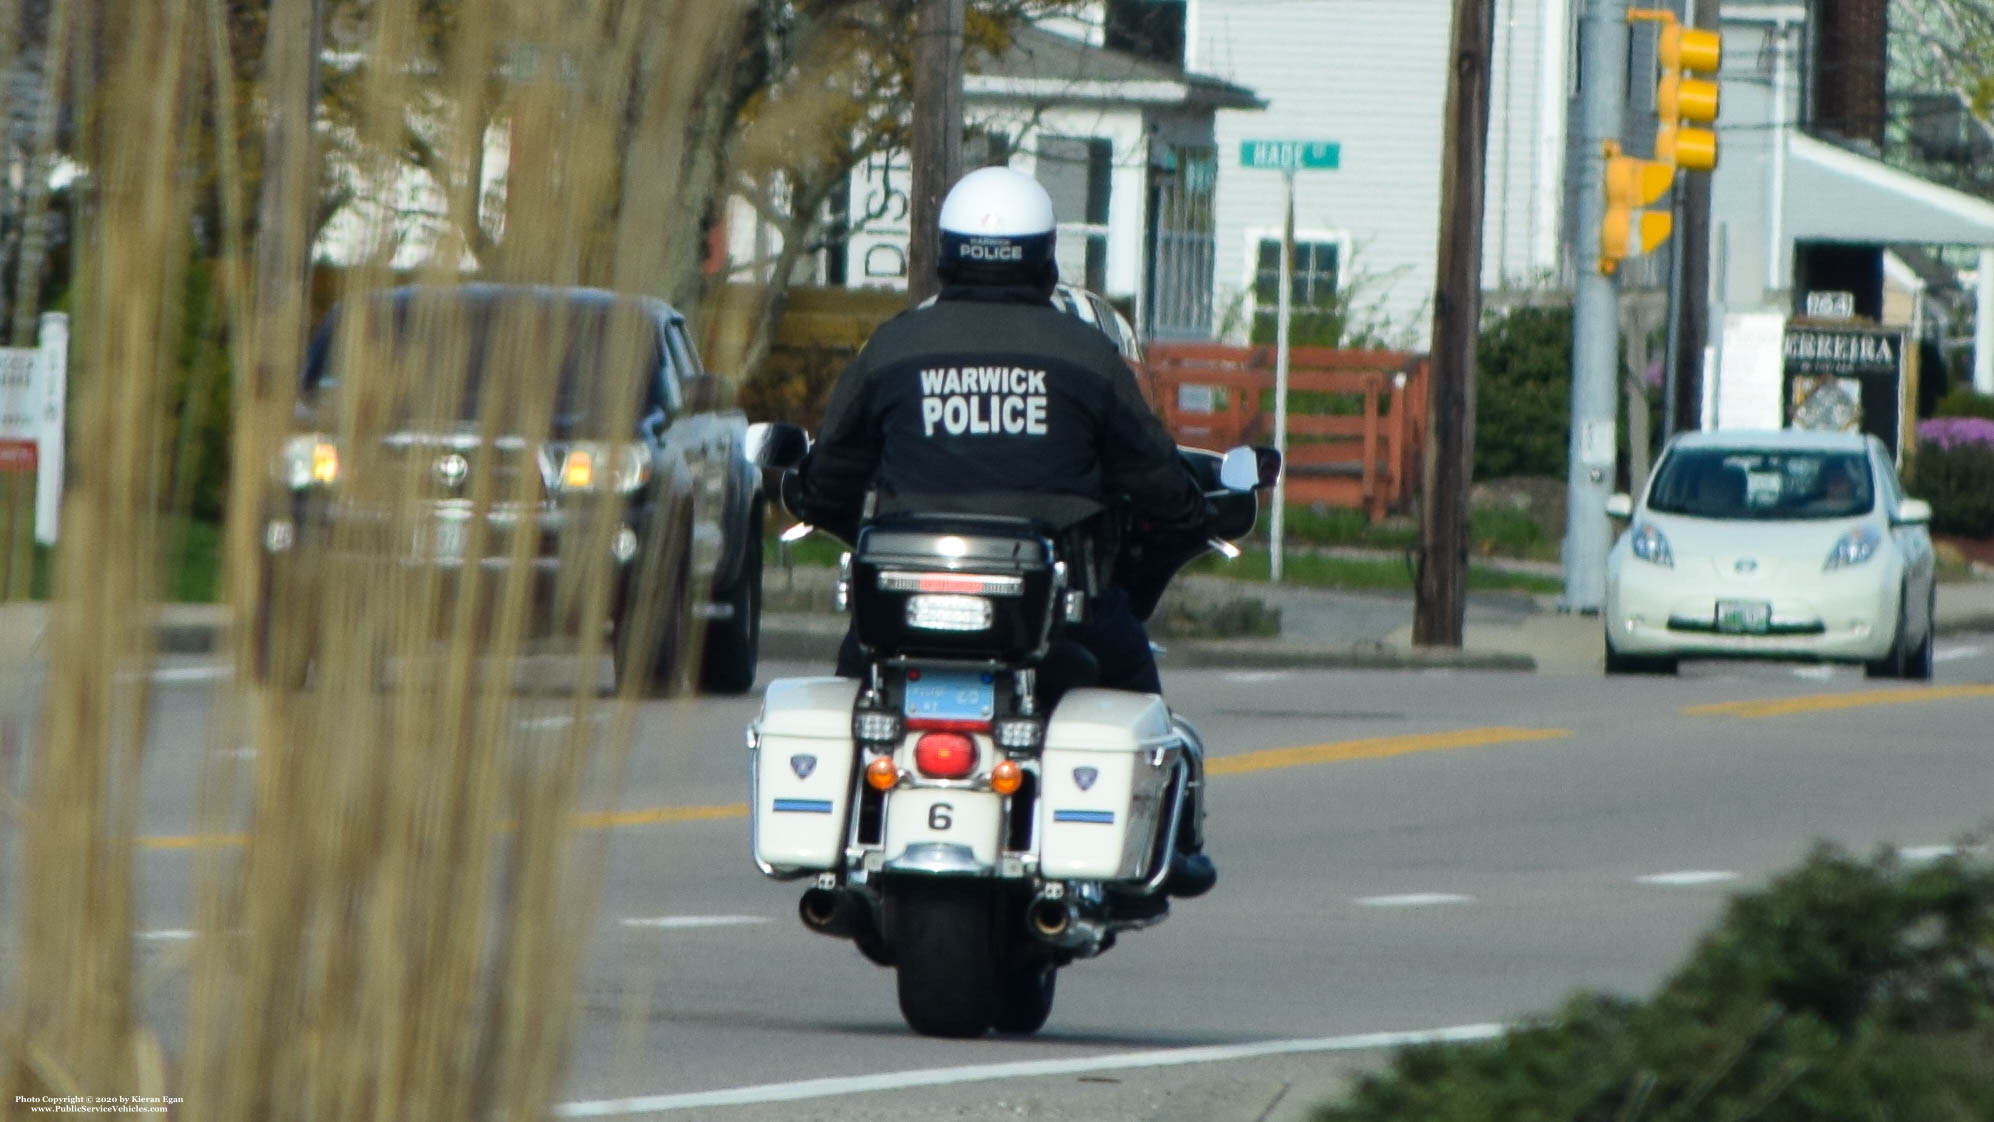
[{"x": 1191, "y": 872}]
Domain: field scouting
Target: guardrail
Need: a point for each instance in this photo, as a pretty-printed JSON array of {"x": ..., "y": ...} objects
[{"x": 1356, "y": 419}]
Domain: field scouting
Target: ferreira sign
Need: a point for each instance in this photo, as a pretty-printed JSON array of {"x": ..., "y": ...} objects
[
  {"x": 33, "y": 388},
  {"x": 1844, "y": 379}
]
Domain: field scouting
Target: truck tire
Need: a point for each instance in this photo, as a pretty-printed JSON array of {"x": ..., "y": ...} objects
[{"x": 733, "y": 644}]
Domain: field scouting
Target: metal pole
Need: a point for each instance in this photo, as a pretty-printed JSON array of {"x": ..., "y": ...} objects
[
  {"x": 1595, "y": 313},
  {"x": 1282, "y": 317},
  {"x": 1672, "y": 337}
]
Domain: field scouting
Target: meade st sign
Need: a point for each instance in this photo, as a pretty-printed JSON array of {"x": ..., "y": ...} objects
[{"x": 1290, "y": 155}]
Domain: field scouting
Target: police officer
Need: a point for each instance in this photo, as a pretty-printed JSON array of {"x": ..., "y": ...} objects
[{"x": 989, "y": 400}]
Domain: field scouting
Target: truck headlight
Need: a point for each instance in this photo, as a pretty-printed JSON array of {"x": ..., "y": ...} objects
[
  {"x": 592, "y": 466},
  {"x": 309, "y": 459}
]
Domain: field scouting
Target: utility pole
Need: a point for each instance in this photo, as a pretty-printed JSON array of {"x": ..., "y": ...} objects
[
  {"x": 1595, "y": 312},
  {"x": 937, "y": 134},
  {"x": 1442, "y": 585},
  {"x": 1690, "y": 307}
]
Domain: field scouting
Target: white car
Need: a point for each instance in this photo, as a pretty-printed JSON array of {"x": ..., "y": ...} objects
[{"x": 1784, "y": 545}]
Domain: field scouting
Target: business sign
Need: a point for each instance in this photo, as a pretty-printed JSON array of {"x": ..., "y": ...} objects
[
  {"x": 1830, "y": 304},
  {"x": 1844, "y": 379},
  {"x": 1291, "y": 155},
  {"x": 34, "y": 384}
]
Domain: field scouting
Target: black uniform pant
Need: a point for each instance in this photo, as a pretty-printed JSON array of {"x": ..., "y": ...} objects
[{"x": 1110, "y": 632}]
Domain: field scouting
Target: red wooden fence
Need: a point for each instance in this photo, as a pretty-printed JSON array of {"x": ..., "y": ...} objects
[{"x": 1360, "y": 450}]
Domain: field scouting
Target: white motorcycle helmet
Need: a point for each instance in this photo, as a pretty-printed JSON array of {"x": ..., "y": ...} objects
[{"x": 997, "y": 229}]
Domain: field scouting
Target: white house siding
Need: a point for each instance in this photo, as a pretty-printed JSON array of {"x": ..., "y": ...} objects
[
  {"x": 1372, "y": 75},
  {"x": 1368, "y": 74}
]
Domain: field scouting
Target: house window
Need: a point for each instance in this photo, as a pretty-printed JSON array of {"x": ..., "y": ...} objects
[
  {"x": 1313, "y": 294},
  {"x": 1076, "y": 172}
]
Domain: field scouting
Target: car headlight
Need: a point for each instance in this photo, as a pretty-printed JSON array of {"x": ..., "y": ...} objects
[
  {"x": 590, "y": 466},
  {"x": 1854, "y": 547},
  {"x": 308, "y": 459},
  {"x": 1650, "y": 546}
]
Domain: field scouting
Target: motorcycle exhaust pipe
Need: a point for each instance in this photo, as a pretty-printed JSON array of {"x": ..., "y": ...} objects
[
  {"x": 832, "y": 911},
  {"x": 1050, "y": 919}
]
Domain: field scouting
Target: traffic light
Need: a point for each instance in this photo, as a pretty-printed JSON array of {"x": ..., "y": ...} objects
[
  {"x": 1629, "y": 230},
  {"x": 1685, "y": 104}
]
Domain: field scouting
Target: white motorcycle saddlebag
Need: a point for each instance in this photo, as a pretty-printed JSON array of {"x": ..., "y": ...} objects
[
  {"x": 801, "y": 768},
  {"x": 1109, "y": 755}
]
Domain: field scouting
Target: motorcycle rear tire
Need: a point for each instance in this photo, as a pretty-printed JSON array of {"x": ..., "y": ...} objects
[
  {"x": 945, "y": 962},
  {"x": 1024, "y": 995}
]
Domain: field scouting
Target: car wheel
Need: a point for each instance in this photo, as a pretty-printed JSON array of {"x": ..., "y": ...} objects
[
  {"x": 1896, "y": 663},
  {"x": 733, "y": 644},
  {"x": 1617, "y": 663},
  {"x": 1918, "y": 665}
]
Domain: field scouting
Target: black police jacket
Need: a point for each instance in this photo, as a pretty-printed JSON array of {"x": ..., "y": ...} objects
[{"x": 990, "y": 401}]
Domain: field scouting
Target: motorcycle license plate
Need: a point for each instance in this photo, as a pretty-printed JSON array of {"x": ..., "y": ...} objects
[
  {"x": 1744, "y": 617},
  {"x": 951, "y": 695}
]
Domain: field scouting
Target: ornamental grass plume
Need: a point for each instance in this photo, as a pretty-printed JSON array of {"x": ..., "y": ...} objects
[{"x": 388, "y": 895}]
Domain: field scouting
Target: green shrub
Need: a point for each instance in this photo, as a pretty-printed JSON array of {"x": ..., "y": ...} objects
[
  {"x": 1958, "y": 480},
  {"x": 1962, "y": 401},
  {"x": 1846, "y": 991},
  {"x": 1523, "y": 393}
]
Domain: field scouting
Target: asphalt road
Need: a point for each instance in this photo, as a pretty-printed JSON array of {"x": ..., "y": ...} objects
[{"x": 1401, "y": 852}]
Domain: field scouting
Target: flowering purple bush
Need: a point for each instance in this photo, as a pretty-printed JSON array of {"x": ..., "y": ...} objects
[{"x": 1952, "y": 432}]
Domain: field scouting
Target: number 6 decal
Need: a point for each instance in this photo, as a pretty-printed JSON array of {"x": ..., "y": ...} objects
[{"x": 938, "y": 816}]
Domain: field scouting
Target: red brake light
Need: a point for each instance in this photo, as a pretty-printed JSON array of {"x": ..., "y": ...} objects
[{"x": 945, "y": 755}]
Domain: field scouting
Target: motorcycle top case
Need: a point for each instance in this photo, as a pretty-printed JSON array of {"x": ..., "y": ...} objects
[
  {"x": 801, "y": 772},
  {"x": 953, "y": 586},
  {"x": 1109, "y": 756}
]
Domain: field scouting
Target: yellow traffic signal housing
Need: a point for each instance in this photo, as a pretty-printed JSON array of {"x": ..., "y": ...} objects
[
  {"x": 1683, "y": 103},
  {"x": 1628, "y": 230},
  {"x": 1627, "y": 233}
]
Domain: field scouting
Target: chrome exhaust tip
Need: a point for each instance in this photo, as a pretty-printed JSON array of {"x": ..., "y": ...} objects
[
  {"x": 1050, "y": 918},
  {"x": 825, "y": 910}
]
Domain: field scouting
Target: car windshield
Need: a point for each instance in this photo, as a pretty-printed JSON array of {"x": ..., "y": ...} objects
[
  {"x": 493, "y": 354},
  {"x": 1763, "y": 484}
]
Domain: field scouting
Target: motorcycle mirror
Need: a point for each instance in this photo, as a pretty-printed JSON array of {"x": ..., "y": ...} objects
[
  {"x": 1245, "y": 469},
  {"x": 775, "y": 445}
]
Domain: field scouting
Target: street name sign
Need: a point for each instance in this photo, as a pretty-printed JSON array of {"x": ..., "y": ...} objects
[{"x": 1291, "y": 155}]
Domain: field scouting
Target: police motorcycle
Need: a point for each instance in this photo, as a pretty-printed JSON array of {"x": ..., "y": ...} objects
[{"x": 973, "y": 814}]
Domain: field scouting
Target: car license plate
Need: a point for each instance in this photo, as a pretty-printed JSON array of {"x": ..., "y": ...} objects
[
  {"x": 440, "y": 540},
  {"x": 1744, "y": 617},
  {"x": 951, "y": 695}
]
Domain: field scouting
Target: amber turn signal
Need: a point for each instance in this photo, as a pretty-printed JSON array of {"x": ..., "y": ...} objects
[
  {"x": 882, "y": 774},
  {"x": 1006, "y": 777}
]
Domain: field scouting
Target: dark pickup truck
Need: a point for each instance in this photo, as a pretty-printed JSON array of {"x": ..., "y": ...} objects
[{"x": 438, "y": 426}]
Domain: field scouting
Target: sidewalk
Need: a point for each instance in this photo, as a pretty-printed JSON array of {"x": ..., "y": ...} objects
[{"x": 1319, "y": 628}]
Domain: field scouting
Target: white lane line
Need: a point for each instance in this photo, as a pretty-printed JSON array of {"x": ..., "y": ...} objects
[
  {"x": 1956, "y": 654},
  {"x": 192, "y": 673},
  {"x": 1814, "y": 673},
  {"x": 1414, "y": 900},
  {"x": 565, "y": 720},
  {"x": 1687, "y": 877},
  {"x": 681, "y": 923},
  {"x": 1248, "y": 677},
  {"x": 1020, "y": 1069},
  {"x": 167, "y": 935}
]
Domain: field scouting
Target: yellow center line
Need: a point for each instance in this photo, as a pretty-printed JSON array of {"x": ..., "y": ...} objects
[
  {"x": 1826, "y": 702},
  {"x": 1375, "y": 748}
]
